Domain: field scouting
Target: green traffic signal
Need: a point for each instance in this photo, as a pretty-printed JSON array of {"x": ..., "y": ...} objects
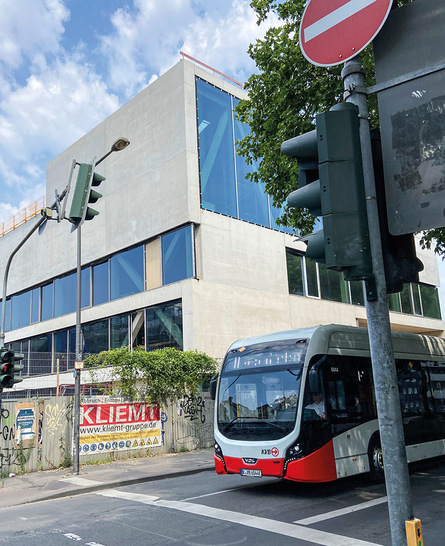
[
  {"x": 84, "y": 194},
  {"x": 331, "y": 186}
]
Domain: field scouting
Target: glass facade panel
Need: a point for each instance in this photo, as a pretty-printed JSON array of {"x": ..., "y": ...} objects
[
  {"x": 253, "y": 202},
  {"x": 138, "y": 330},
  {"x": 164, "y": 326},
  {"x": 95, "y": 337},
  {"x": 394, "y": 302},
  {"x": 65, "y": 295},
  {"x": 40, "y": 355},
  {"x": 357, "y": 297},
  {"x": 35, "y": 305},
  {"x": 127, "y": 273},
  {"x": 311, "y": 276},
  {"x": 430, "y": 301},
  {"x": 8, "y": 315},
  {"x": 85, "y": 289},
  {"x": 100, "y": 283},
  {"x": 405, "y": 298},
  {"x": 21, "y": 310},
  {"x": 215, "y": 135},
  {"x": 47, "y": 295},
  {"x": 332, "y": 285},
  {"x": 61, "y": 350},
  {"x": 295, "y": 273},
  {"x": 119, "y": 332},
  {"x": 416, "y": 299},
  {"x": 177, "y": 255}
]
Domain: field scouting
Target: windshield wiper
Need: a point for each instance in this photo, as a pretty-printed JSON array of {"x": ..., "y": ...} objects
[
  {"x": 275, "y": 425},
  {"x": 235, "y": 419}
]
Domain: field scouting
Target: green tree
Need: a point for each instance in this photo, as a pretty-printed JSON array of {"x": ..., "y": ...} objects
[
  {"x": 153, "y": 376},
  {"x": 284, "y": 97}
]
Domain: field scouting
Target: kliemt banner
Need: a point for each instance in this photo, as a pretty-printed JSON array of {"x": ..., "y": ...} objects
[{"x": 111, "y": 424}]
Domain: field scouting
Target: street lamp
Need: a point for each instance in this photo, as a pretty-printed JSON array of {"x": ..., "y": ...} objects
[{"x": 118, "y": 145}]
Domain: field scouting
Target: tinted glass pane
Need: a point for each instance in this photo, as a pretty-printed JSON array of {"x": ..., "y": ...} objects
[
  {"x": 216, "y": 149},
  {"x": 35, "y": 305},
  {"x": 311, "y": 276},
  {"x": 405, "y": 298},
  {"x": 332, "y": 285},
  {"x": 295, "y": 273},
  {"x": 100, "y": 283},
  {"x": 20, "y": 310},
  {"x": 138, "y": 330},
  {"x": 65, "y": 295},
  {"x": 164, "y": 326},
  {"x": 416, "y": 299},
  {"x": 85, "y": 291},
  {"x": 357, "y": 297},
  {"x": 61, "y": 350},
  {"x": 8, "y": 315},
  {"x": 127, "y": 273},
  {"x": 177, "y": 255},
  {"x": 95, "y": 337},
  {"x": 119, "y": 332},
  {"x": 71, "y": 347},
  {"x": 47, "y": 301},
  {"x": 253, "y": 203},
  {"x": 430, "y": 301},
  {"x": 40, "y": 356},
  {"x": 394, "y": 302}
]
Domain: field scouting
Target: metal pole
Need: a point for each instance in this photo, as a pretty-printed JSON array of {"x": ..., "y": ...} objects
[
  {"x": 383, "y": 365},
  {"x": 76, "y": 423}
]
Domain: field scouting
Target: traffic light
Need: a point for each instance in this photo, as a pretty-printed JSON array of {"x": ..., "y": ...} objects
[
  {"x": 399, "y": 252},
  {"x": 8, "y": 367},
  {"x": 85, "y": 194},
  {"x": 331, "y": 186}
]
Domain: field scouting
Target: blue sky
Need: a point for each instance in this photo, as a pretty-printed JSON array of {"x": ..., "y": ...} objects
[{"x": 66, "y": 65}]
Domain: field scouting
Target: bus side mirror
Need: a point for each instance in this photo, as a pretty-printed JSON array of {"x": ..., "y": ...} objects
[
  {"x": 314, "y": 381},
  {"x": 213, "y": 385}
]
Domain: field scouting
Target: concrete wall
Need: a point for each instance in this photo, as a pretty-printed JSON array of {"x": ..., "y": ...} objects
[{"x": 47, "y": 442}]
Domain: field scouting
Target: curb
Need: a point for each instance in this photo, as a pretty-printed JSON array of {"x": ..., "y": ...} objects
[{"x": 121, "y": 483}]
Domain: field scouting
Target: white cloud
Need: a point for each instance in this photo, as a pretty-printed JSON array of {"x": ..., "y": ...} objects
[
  {"x": 148, "y": 39},
  {"x": 29, "y": 27}
]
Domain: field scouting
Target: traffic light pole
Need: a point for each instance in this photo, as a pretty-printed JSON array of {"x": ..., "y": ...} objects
[
  {"x": 383, "y": 365},
  {"x": 76, "y": 423}
]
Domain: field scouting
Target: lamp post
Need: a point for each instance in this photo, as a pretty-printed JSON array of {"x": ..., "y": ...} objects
[{"x": 118, "y": 145}]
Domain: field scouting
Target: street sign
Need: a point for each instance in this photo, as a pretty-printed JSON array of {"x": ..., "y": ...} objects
[{"x": 335, "y": 31}]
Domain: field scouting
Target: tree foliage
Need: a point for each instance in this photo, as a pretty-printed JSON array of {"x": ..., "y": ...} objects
[
  {"x": 154, "y": 376},
  {"x": 284, "y": 97}
]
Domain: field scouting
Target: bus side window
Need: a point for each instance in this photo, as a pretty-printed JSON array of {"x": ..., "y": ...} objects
[
  {"x": 435, "y": 385},
  {"x": 411, "y": 387}
]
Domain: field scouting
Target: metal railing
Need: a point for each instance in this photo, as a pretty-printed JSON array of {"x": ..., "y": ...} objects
[{"x": 22, "y": 216}]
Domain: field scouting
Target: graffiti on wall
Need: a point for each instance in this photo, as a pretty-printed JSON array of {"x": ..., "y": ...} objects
[{"x": 192, "y": 408}]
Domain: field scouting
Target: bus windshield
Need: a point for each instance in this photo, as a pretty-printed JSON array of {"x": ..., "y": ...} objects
[{"x": 258, "y": 392}]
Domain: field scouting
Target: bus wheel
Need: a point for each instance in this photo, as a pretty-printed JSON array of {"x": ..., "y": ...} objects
[{"x": 375, "y": 456}]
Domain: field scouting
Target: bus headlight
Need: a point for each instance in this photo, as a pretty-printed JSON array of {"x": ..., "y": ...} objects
[{"x": 293, "y": 451}]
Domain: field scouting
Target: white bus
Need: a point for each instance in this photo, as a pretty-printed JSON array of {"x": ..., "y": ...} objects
[{"x": 300, "y": 404}]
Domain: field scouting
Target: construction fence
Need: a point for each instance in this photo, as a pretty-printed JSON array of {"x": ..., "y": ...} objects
[{"x": 37, "y": 434}]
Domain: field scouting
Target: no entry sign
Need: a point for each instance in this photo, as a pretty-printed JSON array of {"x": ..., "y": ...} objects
[{"x": 331, "y": 32}]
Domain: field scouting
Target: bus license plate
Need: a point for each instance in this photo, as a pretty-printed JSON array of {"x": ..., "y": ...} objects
[{"x": 251, "y": 472}]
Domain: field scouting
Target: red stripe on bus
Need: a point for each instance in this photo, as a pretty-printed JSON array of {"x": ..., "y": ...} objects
[{"x": 319, "y": 466}]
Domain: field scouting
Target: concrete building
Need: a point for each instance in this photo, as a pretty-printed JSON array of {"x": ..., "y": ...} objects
[{"x": 185, "y": 252}]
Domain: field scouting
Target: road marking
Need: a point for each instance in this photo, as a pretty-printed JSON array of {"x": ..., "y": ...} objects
[
  {"x": 321, "y": 538},
  {"x": 337, "y": 16},
  {"x": 136, "y": 497},
  {"x": 341, "y": 512},
  {"x": 80, "y": 481}
]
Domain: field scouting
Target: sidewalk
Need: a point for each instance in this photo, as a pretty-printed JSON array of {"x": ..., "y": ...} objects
[{"x": 52, "y": 484}]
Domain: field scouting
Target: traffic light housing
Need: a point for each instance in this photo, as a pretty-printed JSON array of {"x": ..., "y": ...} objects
[
  {"x": 84, "y": 194},
  {"x": 331, "y": 186},
  {"x": 399, "y": 252},
  {"x": 9, "y": 367}
]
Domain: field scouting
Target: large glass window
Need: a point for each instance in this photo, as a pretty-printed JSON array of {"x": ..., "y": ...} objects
[
  {"x": 47, "y": 301},
  {"x": 95, "y": 337},
  {"x": 21, "y": 310},
  {"x": 164, "y": 326},
  {"x": 35, "y": 305},
  {"x": 127, "y": 273},
  {"x": 119, "y": 332},
  {"x": 430, "y": 301},
  {"x": 332, "y": 285},
  {"x": 65, "y": 294},
  {"x": 295, "y": 273},
  {"x": 61, "y": 350},
  {"x": 85, "y": 281},
  {"x": 177, "y": 255},
  {"x": 40, "y": 355},
  {"x": 215, "y": 133},
  {"x": 100, "y": 283}
]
